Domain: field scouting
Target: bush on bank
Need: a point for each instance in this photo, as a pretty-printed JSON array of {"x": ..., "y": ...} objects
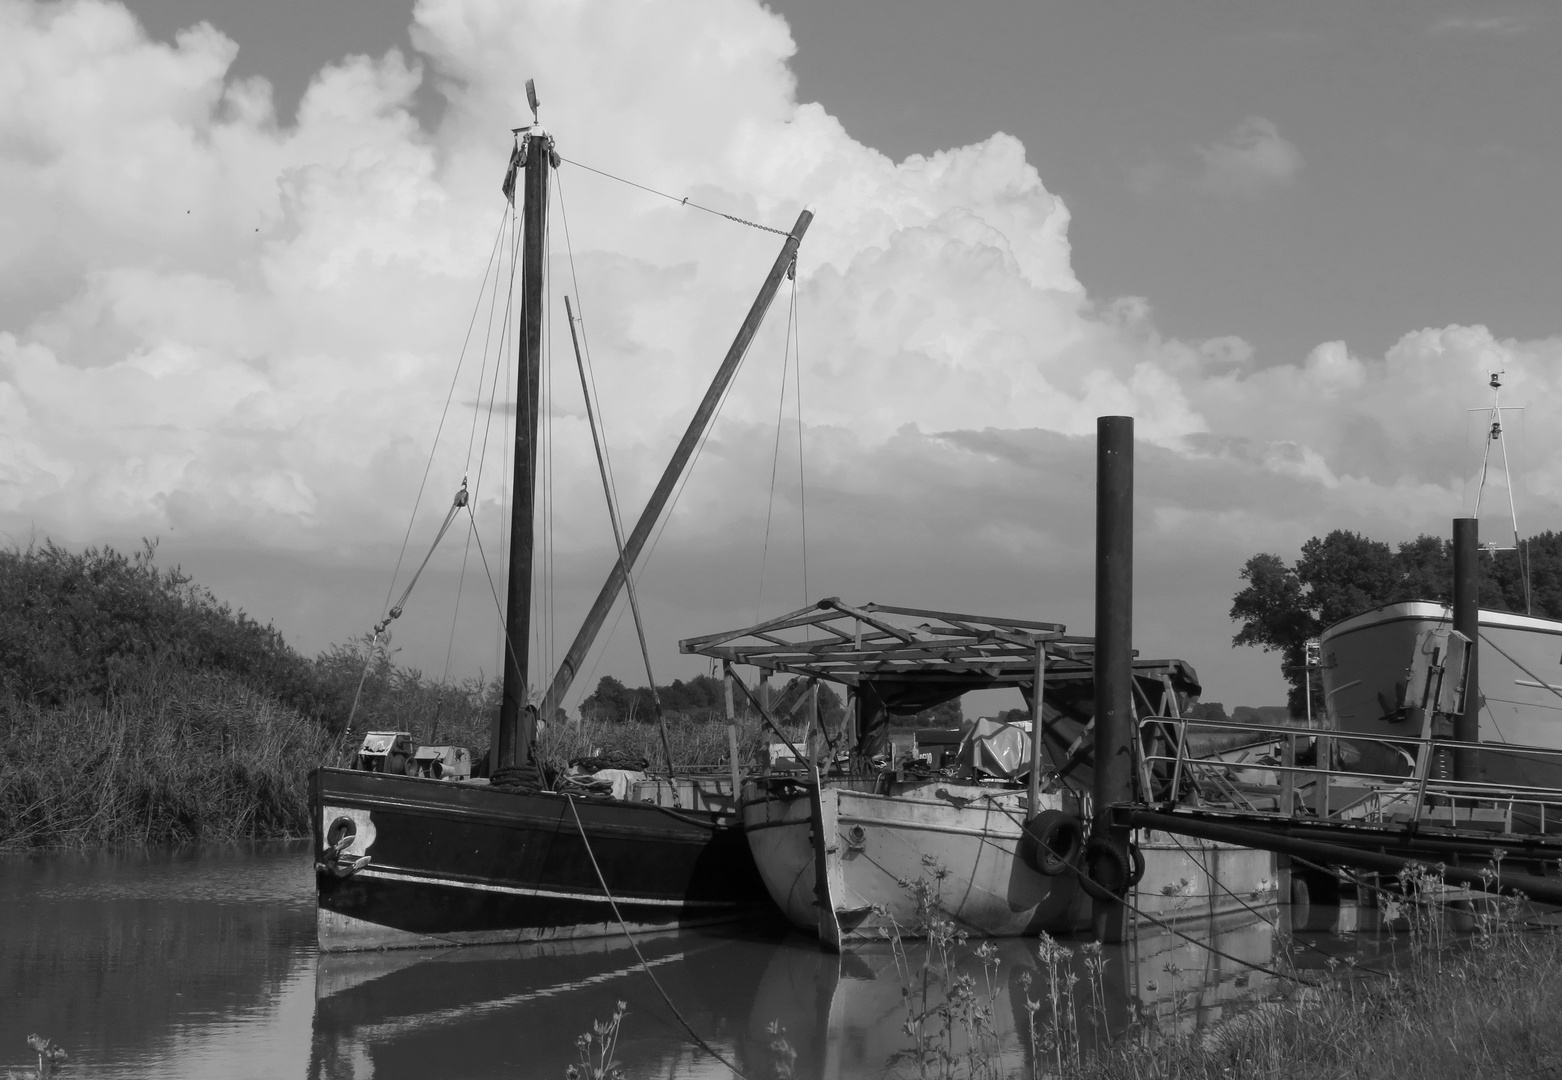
[{"x": 136, "y": 708}]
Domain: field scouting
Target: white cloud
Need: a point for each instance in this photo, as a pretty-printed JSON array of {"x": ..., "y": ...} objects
[
  {"x": 1487, "y": 25},
  {"x": 237, "y": 336},
  {"x": 1253, "y": 158}
]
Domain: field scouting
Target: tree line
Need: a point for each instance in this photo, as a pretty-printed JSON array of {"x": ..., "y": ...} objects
[{"x": 1345, "y": 573}]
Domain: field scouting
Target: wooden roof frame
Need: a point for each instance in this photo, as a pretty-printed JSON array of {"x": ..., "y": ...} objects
[{"x": 848, "y": 644}]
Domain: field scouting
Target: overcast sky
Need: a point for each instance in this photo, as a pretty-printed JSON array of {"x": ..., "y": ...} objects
[{"x": 244, "y": 242}]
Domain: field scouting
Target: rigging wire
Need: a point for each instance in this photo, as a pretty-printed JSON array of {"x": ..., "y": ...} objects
[
  {"x": 802, "y": 486},
  {"x": 650, "y": 549},
  {"x": 775, "y": 461},
  {"x": 439, "y": 430},
  {"x": 585, "y": 340},
  {"x": 685, "y": 201},
  {"x": 508, "y": 225}
]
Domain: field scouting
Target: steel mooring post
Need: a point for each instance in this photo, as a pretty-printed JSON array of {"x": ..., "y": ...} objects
[
  {"x": 1467, "y": 621},
  {"x": 1114, "y": 718}
]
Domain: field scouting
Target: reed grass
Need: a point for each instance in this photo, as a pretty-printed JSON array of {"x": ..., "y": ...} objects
[
  {"x": 173, "y": 758},
  {"x": 1446, "y": 1013},
  {"x": 697, "y": 743},
  {"x": 1481, "y": 1004}
]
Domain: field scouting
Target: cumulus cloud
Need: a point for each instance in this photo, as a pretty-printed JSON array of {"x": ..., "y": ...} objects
[
  {"x": 1252, "y": 158},
  {"x": 237, "y": 335}
]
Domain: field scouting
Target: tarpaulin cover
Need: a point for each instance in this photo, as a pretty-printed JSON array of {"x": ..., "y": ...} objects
[{"x": 997, "y": 748}]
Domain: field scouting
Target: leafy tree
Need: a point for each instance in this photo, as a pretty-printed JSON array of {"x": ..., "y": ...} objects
[
  {"x": 611, "y": 700},
  {"x": 951, "y": 714},
  {"x": 1208, "y": 710},
  {"x": 1345, "y": 573}
]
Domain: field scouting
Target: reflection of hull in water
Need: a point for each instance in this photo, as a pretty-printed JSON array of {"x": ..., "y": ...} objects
[
  {"x": 878, "y": 844},
  {"x": 862, "y": 994},
  {"x": 776, "y": 1008},
  {"x": 1365, "y": 659},
  {"x": 466, "y": 864},
  {"x": 1187, "y": 880},
  {"x": 515, "y": 1010}
]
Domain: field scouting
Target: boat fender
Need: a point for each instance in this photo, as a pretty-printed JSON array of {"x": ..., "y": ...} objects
[
  {"x": 1108, "y": 865},
  {"x": 1050, "y": 841},
  {"x": 1138, "y": 871}
]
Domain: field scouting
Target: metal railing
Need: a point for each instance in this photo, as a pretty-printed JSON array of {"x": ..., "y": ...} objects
[{"x": 1375, "y": 797}]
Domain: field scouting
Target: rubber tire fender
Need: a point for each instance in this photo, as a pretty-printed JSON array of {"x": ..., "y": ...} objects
[
  {"x": 1051, "y": 841},
  {"x": 1108, "y": 866},
  {"x": 1137, "y": 858}
]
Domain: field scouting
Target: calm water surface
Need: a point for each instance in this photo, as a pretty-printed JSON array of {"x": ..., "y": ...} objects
[{"x": 203, "y": 964}]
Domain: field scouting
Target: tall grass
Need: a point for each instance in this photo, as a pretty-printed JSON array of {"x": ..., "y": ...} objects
[
  {"x": 173, "y": 758},
  {"x": 1469, "y": 1005},
  {"x": 697, "y": 743}
]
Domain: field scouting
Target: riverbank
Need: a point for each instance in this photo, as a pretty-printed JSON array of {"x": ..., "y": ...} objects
[{"x": 1485, "y": 1009}]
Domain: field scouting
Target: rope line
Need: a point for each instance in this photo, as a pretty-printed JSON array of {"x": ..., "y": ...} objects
[
  {"x": 1098, "y": 892},
  {"x": 775, "y": 461},
  {"x": 1095, "y": 891},
  {"x": 498, "y": 605},
  {"x": 703, "y": 1045},
  {"x": 449, "y": 395},
  {"x": 802, "y": 486},
  {"x": 685, "y": 201},
  {"x": 1261, "y": 916}
]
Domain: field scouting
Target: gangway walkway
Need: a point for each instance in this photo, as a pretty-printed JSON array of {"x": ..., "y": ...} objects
[{"x": 1304, "y": 799}]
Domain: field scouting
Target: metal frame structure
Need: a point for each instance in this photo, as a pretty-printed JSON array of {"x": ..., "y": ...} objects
[{"x": 851, "y": 645}]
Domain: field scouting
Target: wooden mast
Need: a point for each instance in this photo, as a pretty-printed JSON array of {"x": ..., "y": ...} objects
[{"x": 515, "y": 728}]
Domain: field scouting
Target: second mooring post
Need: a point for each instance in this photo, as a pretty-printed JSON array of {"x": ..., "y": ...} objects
[
  {"x": 1114, "y": 647},
  {"x": 1467, "y": 621}
]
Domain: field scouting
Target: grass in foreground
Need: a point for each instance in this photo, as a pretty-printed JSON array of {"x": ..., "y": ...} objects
[
  {"x": 1486, "y": 1006},
  {"x": 1486, "y": 1011}
]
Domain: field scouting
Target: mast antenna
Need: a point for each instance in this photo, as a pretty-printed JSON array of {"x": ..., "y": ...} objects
[{"x": 1494, "y": 435}]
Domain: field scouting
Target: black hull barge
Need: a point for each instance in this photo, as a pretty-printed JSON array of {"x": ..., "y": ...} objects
[{"x": 428, "y": 862}]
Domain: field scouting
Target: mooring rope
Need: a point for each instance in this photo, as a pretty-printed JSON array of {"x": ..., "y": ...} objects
[
  {"x": 1099, "y": 892},
  {"x": 703, "y": 1045},
  {"x": 1272, "y": 925}
]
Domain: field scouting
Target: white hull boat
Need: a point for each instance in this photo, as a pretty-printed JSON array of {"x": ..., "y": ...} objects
[
  {"x": 960, "y": 842},
  {"x": 1365, "y": 663},
  {"x": 959, "y": 848}
]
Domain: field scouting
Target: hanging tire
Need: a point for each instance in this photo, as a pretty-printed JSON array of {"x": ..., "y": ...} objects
[
  {"x": 1137, "y": 874},
  {"x": 1108, "y": 865},
  {"x": 1050, "y": 841}
]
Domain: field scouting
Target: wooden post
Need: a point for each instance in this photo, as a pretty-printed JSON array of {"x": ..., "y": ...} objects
[
  {"x": 1033, "y": 792},
  {"x": 1467, "y": 621},
  {"x": 732, "y": 736},
  {"x": 1114, "y": 647}
]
